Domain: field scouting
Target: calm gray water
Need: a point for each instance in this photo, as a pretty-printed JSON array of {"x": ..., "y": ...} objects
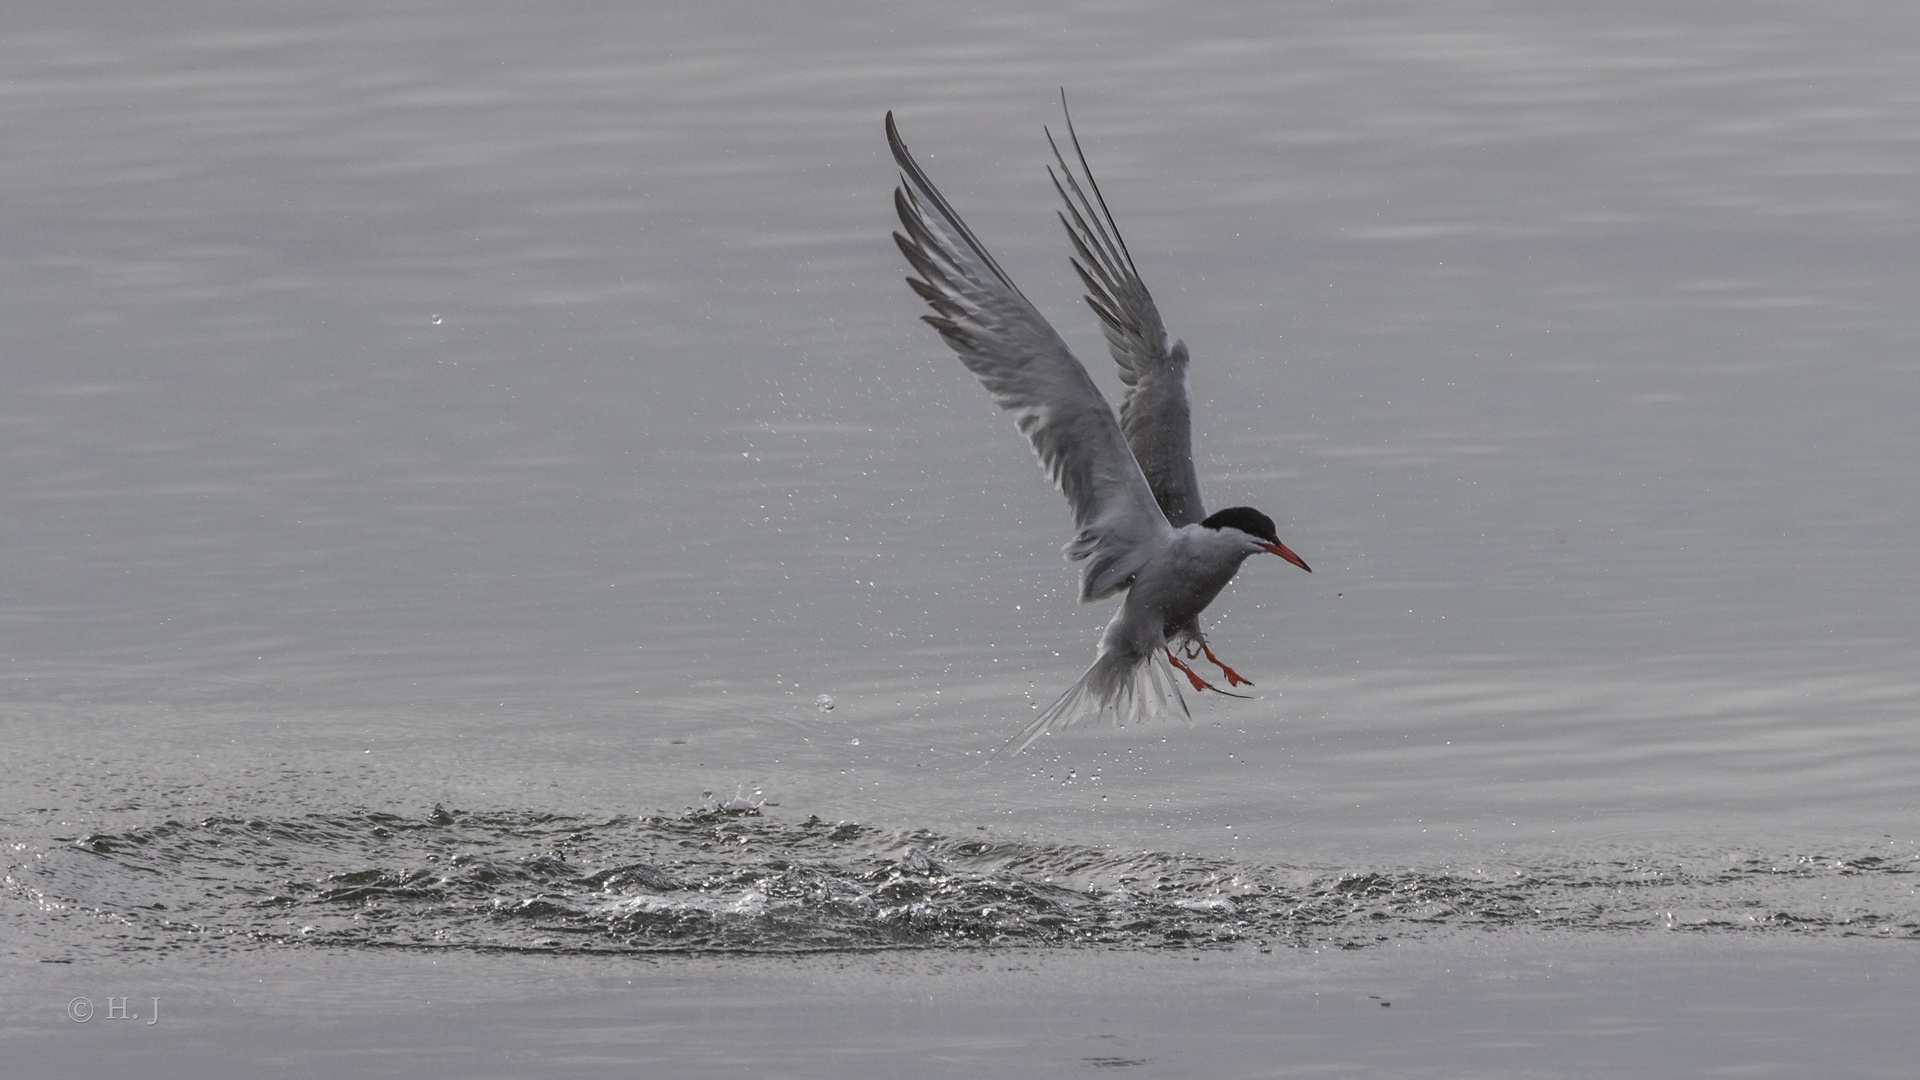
[{"x": 450, "y": 449}]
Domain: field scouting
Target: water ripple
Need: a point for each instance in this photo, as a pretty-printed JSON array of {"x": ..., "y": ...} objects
[{"x": 731, "y": 878}]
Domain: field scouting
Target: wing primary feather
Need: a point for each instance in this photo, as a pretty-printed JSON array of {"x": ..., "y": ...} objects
[
  {"x": 920, "y": 182},
  {"x": 1029, "y": 371},
  {"x": 1101, "y": 309},
  {"x": 1098, "y": 297},
  {"x": 1155, "y": 411},
  {"x": 1107, "y": 277},
  {"x": 1100, "y": 255},
  {"x": 1074, "y": 137}
]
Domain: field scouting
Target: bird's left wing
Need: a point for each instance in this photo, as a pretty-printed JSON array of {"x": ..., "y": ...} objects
[
  {"x": 1031, "y": 373},
  {"x": 1155, "y": 414}
]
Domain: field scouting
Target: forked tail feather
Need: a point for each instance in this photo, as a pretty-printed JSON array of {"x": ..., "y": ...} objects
[{"x": 1135, "y": 690}]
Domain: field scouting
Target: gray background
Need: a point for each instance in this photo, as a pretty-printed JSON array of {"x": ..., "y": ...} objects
[{"x": 519, "y": 407}]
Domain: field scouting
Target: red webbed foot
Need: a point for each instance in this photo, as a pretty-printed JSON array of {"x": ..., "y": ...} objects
[
  {"x": 1234, "y": 678},
  {"x": 1198, "y": 682}
]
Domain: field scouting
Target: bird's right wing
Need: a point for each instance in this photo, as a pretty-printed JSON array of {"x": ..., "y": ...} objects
[
  {"x": 1031, "y": 373},
  {"x": 1155, "y": 414}
]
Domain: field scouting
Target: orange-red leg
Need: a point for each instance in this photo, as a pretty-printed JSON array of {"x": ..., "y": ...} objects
[
  {"x": 1198, "y": 682},
  {"x": 1234, "y": 678}
]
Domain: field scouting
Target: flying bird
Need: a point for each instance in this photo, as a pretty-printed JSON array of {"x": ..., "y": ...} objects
[{"x": 1141, "y": 526}]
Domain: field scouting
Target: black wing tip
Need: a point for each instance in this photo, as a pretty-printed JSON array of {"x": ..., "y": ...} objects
[
  {"x": 1099, "y": 199},
  {"x": 899, "y": 147}
]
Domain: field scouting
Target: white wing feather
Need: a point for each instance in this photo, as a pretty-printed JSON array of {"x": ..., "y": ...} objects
[{"x": 1031, "y": 373}]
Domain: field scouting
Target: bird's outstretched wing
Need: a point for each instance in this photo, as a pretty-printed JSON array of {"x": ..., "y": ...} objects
[
  {"x": 1031, "y": 373},
  {"x": 1155, "y": 413}
]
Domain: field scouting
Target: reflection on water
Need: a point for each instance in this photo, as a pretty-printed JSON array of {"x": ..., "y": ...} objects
[{"x": 733, "y": 878}]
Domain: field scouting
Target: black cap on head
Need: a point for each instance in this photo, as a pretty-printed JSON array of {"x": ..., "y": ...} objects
[{"x": 1247, "y": 520}]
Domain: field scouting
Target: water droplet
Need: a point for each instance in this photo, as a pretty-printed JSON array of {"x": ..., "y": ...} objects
[
  {"x": 825, "y": 703},
  {"x": 435, "y": 320},
  {"x": 855, "y": 742}
]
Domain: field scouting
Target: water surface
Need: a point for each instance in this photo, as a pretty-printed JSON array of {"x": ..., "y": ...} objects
[{"x": 451, "y": 449}]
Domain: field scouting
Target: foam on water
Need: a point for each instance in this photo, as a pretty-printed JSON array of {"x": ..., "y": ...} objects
[{"x": 733, "y": 878}]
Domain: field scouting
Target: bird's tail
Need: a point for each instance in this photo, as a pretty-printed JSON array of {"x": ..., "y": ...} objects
[{"x": 1134, "y": 689}]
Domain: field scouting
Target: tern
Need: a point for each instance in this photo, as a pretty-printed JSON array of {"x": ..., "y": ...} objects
[{"x": 1130, "y": 481}]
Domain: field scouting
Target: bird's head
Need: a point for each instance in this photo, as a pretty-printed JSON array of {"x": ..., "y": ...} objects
[{"x": 1258, "y": 526}]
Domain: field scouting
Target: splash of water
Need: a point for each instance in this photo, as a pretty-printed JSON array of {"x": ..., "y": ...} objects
[{"x": 729, "y": 878}]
